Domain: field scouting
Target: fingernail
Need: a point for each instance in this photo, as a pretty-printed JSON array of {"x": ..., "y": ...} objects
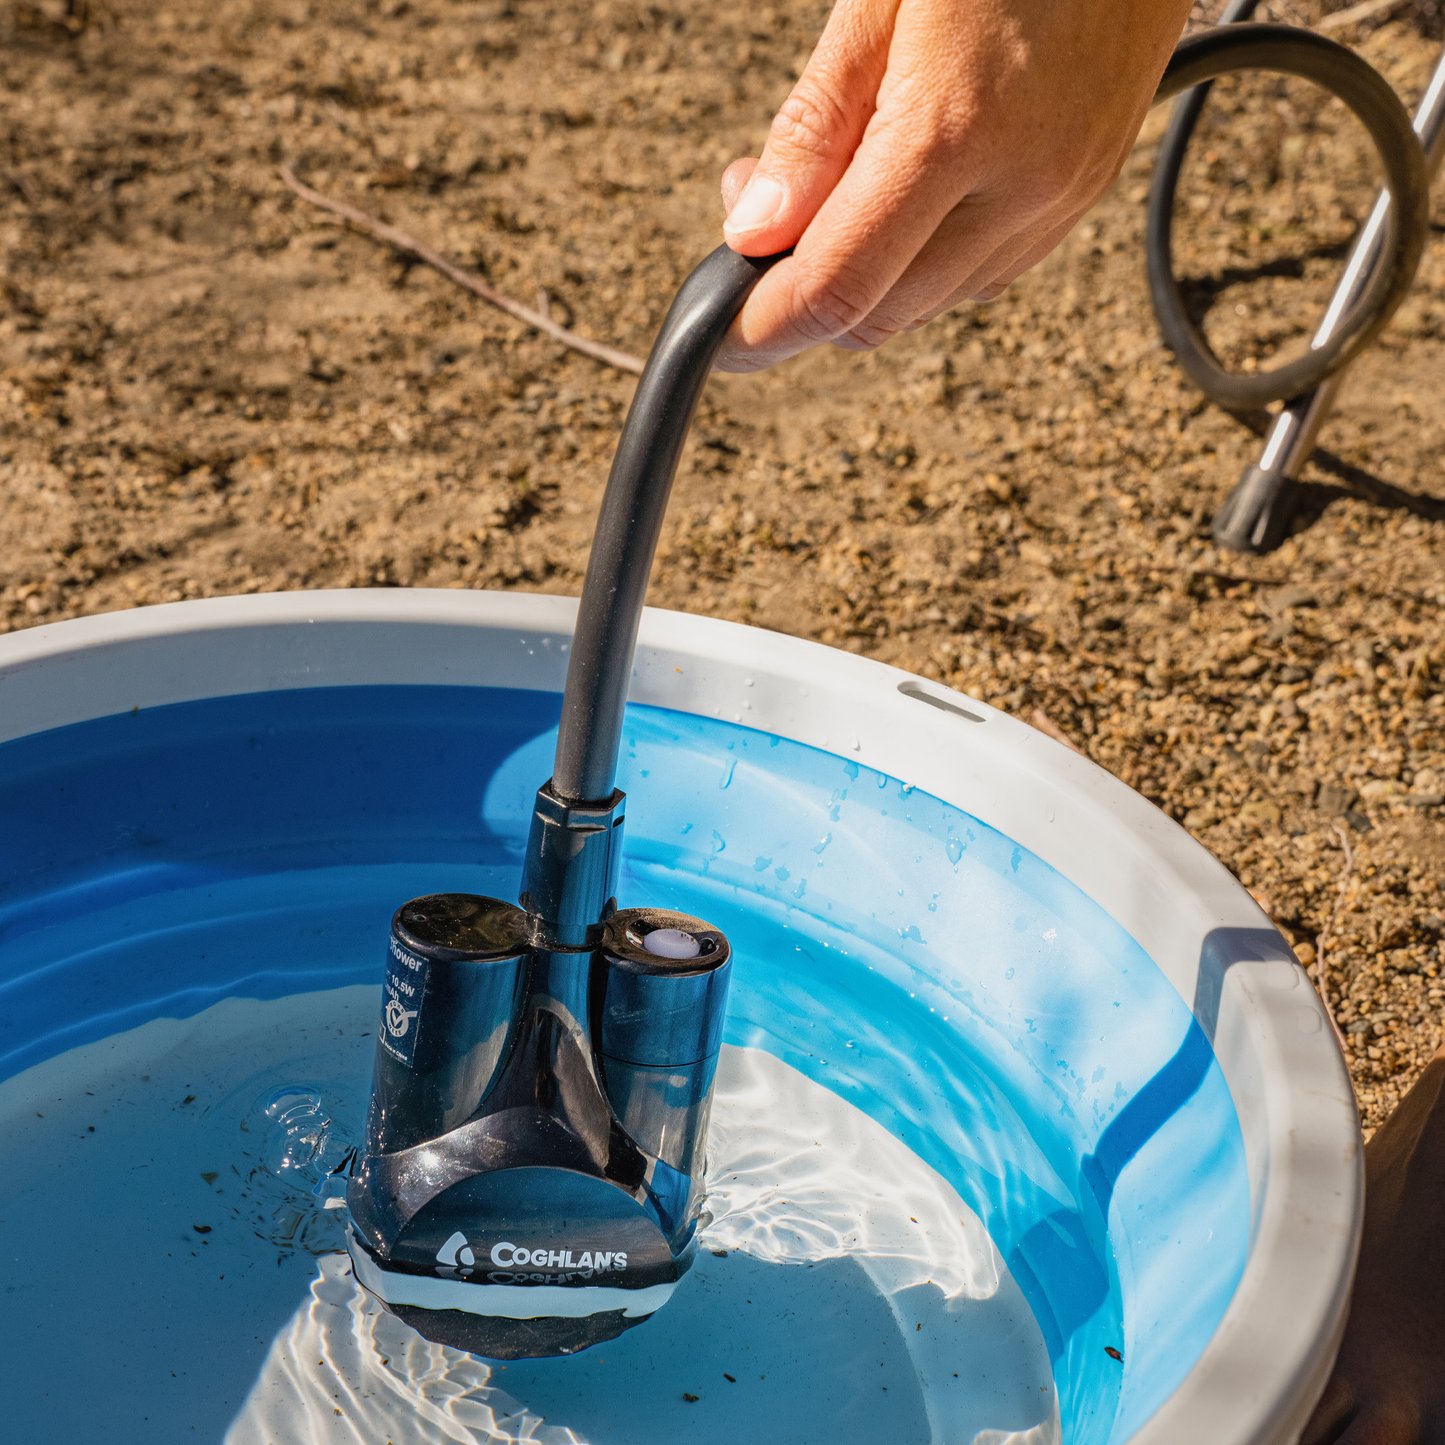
[{"x": 758, "y": 205}]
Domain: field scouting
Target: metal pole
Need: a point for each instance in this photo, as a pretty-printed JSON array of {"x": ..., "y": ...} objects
[{"x": 1259, "y": 509}]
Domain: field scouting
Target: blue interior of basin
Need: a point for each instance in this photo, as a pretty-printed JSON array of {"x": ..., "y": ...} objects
[{"x": 893, "y": 948}]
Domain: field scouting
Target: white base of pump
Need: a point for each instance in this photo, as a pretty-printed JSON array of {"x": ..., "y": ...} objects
[{"x": 503, "y": 1301}]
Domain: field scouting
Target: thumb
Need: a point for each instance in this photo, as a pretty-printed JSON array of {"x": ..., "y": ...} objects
[
  {"x": 735, "y": 180},
  {"x": 815, "y": 133}
]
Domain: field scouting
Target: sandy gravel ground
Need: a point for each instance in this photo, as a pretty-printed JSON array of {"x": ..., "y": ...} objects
[{"x": 207, "y": 387}]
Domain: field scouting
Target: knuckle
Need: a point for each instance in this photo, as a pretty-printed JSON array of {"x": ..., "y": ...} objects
[
  {"x": 928, "y": 130},
  {"x": 939, "y": 133},
  {"x": 870, "y": 338},
  {"x": 834, "y": 304},
  {"x": 807, "y": 123}
]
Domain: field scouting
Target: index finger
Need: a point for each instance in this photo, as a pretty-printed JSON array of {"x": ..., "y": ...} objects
[{"x": 911, "y": 169}]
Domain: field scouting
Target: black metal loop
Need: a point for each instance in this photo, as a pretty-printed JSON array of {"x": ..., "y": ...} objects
[{"x": 1291, "y": 51}]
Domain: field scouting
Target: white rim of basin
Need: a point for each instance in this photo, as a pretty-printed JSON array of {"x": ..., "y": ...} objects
[{"x": 1267, "y": 1362}]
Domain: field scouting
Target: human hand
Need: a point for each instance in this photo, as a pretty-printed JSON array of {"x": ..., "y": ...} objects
[{"x": 932, "y": 151}]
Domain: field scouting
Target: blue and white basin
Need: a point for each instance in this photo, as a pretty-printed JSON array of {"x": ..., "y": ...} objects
[{"x": 1029, "y": 1130}]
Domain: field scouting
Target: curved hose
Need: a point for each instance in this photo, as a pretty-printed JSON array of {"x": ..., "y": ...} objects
[
  {"x": 630, "y": 521},
  {"x": 1205, "y": 57}
]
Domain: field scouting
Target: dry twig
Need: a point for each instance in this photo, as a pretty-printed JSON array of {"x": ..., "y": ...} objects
[
  {"x": 403, "y": 242},
  {"x": 1365, "y": 10},
  {"x": 1046, "y": 725}
]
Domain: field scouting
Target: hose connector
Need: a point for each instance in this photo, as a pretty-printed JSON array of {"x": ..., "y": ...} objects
[{"x": 569, "y": 877}]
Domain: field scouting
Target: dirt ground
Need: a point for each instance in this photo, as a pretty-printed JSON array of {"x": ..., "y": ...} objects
[{"x": 207, "y": 386}]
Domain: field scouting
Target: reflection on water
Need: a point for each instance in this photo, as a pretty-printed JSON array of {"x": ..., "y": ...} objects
[
  {"x": 844, "y": 1293},
  {"x": 344, "y": 1370},
  {"x": 796, "y": 1175}
]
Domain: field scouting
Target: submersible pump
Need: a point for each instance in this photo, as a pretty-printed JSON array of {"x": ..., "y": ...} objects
[{"x": 531, "y": 1180}]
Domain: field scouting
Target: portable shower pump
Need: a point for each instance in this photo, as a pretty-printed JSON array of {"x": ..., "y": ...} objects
[
  {"x": 532, "y": 1174},
  {"x": 531, "y": 1181}
]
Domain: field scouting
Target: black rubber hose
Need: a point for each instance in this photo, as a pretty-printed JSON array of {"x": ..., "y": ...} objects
[
  {"x": 630, "y": 521},
  {"x": 1302, "y": 53}
]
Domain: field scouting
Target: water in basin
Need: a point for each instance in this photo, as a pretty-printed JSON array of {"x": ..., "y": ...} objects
[{"x": 973, "y": 1175}]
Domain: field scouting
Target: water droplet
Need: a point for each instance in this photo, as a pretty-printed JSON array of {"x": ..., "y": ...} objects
[
  {"x": 822, "y": 842},
  {"x": 1008, "y": 973},
  {"x": 781, "y": 874},
  {"x": 727, "y": 776},
  {"x": 760, "y": 863},
  {"x": 910, "y": 935},
  {"x": 747, "y": 682},
  {"x": 905, "y": 788},
  {"x": 718, "y": 842},
  {"x": 850, "y": 769},
  {"x": 954, "y": 849},
  {"x": 687, "y": 827}
]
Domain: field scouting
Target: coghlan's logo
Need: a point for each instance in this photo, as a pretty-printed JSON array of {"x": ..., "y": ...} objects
[
  {"x": 512, "y": 1256},
  {"x": 515, "y": 1264}
]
